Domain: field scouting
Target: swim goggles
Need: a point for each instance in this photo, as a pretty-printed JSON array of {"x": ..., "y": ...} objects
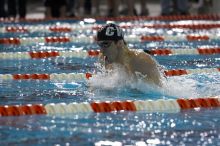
[{"x": 104, "y": 44}]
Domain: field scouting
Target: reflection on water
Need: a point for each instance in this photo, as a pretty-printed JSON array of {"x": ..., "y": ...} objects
[{"x": 131, "y": 128}]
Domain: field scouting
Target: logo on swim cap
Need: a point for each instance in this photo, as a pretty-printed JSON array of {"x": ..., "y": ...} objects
[{"x": 110, "y": 32}]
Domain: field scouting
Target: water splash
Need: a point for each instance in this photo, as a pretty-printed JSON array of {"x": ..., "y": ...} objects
[
  {"x": 104, "y": 79},
  {"x": 192, "y": 86},
  {"x": 188, "y": 86},
  {"x": 118, "y": 80},
  {"x": 180, "y": 86}
]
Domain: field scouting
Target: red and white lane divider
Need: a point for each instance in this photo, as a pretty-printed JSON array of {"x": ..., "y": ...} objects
[
  {"x": 94, "y": 53},
  {"x": 34, "y": 40},
  {"x": 67, "y": 27},
  {"x": 64, "y": 27},
  {"x": 179, "y": 72},
  {"x": 52, "y": 77},
  {"x": 91, "y": 39},
  {"x": 160, "y": 105},
  {"x": 199, "y": 51},
  {"x": 85, "y": 76},
  {"x": 49, "y": 54}
]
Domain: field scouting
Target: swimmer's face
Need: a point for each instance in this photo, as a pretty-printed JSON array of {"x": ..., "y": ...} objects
[{"x": 109, "y": 50}]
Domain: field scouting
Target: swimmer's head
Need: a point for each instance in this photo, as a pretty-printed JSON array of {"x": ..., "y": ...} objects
[
  {"x": 110, "y": 32},
  {"x": 109, "y": 39}
]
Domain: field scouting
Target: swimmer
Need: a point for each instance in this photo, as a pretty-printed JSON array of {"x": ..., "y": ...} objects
[{"x": 115, "y": 52}]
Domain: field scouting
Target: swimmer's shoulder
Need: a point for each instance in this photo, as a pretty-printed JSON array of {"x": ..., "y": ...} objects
[
  {"x": 145, "y": 57},
  {"x": 140, "y": 56}
]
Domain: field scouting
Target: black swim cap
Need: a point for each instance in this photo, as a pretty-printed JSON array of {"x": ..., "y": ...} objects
[{"x": 110, "y": 32}]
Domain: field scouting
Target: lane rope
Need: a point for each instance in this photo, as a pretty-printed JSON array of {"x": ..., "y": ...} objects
[
  {"x": 160, "y": 105},
  {"x": 68, "y": 27},
  {"x": 49, "y": 54},
  {"x": 85, "y": 76},
  {"x": 92, "y": 39},
  {"x": 95, "y": 53}
]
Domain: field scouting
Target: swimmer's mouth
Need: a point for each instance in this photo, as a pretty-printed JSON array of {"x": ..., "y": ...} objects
[{"x": 106, "y": 59}]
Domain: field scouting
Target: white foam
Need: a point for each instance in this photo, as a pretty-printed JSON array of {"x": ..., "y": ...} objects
[
  {"x": 198, "y": 85},
  {"x": 118, "y": 78},
  {"x": 189, "y": 86},
  {"x": 180, "y": 86},
  {"x": 209, "y": 85},
  {"x": 109, "y": 79}
]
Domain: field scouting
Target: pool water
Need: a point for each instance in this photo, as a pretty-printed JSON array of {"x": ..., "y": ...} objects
[{"x": 199, "y": 126}]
